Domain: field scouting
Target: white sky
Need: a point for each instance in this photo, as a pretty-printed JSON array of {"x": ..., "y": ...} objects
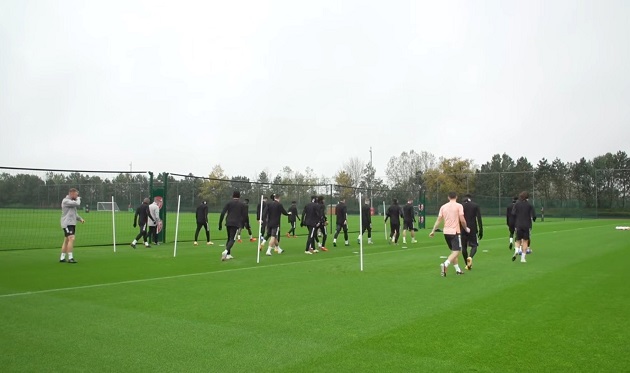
[{"x": 180, "y": 86}]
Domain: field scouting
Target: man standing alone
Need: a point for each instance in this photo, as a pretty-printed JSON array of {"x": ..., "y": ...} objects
[
  {"x": 69, "y": 218},
  {"x": 202, "y": 222}
]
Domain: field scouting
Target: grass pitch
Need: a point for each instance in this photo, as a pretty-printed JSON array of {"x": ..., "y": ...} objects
[{"x": 144, "y": 311}]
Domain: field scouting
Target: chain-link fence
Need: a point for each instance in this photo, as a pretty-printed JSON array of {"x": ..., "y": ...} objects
[
  {"x": 30, "y": 205},
  {"x": 30, "y": 198},
  {"x": 602, "y": 193}
]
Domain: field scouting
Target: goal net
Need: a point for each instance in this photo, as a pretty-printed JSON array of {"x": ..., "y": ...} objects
[{"x": 107, "y": 206}]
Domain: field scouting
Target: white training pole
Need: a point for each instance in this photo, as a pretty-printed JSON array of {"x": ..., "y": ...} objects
[
  {"x": 179, "y": 200},
  {"x": 361, "y": 231},
  {"x": 114, "y": 222},
  {"x": 260, "y": 233},
  {"x": 384, "y": 213}
]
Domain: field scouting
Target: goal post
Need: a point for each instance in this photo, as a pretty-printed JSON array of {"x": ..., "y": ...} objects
[{"x": 107, "y": 206}]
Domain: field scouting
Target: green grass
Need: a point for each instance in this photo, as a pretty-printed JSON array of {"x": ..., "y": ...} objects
[{"x": 145, "y": 311}]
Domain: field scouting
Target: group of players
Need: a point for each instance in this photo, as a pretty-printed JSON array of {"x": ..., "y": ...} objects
[{"x": 463, "y": 225}]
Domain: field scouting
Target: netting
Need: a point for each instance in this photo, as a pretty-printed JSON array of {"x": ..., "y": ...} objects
[
  {"x": 603, "y": 193},
  {"x": 30, "y": 203},
  {"x": 107, "y": 206},
  {"x": 216, "y": 192},
  {"x": 30, "y": 199}
]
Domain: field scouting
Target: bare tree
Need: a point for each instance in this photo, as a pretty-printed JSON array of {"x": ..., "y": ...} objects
[
  {"x": 408, "y": 168},
  {"x": 354, "y": 168}
]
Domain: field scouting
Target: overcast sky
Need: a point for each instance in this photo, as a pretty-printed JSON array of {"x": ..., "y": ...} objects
[{"x": 180, "y": 86}]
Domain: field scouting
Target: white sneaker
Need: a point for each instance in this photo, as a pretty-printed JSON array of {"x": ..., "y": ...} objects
[
  {"x": 315, "y": 251},
  {"x": 195, "y": 243},
  {"x": 523, "y": 260},
  {"x": 404, "y": 242},
  {"x": 268, "y": 253},
  {"x": 414, "y": 241},
  {"x": 370, "y": 242},
  {"x": 275, "y": 249},
  {"x": 224, "y": 255},
  {"x": 308, "y": 252},
  {"x": 229, "y": 257},
  {"x": 210, "y": 243},
  {"x": 280, "y": 251}
]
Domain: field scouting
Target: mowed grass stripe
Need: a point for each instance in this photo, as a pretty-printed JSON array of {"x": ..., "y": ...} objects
[
  {"x": 399, "y": 316},
  {"x": 345, "y": 255}
]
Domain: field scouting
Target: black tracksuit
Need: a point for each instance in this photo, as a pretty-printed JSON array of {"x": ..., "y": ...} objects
[
  {"x": 142, "y": 217},
  {"x": 273, "y": 214},
  {"x": 202, "y": 221},
  {"x": 472, "y": 214},
  {"x": 263, "y": 225},
  {"x": 394, "y": 213},
  {"x": 342, "y": 220},
  {"x": 323, "y": 222},
  {"x": 236, "y": 211},
  {"x": 523, "y": 213},
  {"x": 366, "y": 220},
  {"x": 409, "y": 217},
  {"x": 509, "y": 219},
  {"x": 311, "y": 217},
  {"x": 293, "y": 218}
]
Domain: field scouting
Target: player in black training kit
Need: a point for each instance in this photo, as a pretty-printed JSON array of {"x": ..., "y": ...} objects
[
  {"x": 341, "y": 210},
  {"x": 524, "y": 214},
  {"x": 509, "y": 220},
  {"x": 394, "y": 213},
  {"x": 311, "y": 218},
  {"x": 293, "y": 217},
  {"x": 202, "y": 222},
  {"x": 409, "y": 217},
  {"x": 366, "y": 221},
  {"x": 260, "y": 212},
  {"x": 322, "y": 225},
  {"x": 142, "y": 217},
  {"x": 236, "y": 211},
  {"x": 273, "y": 214},
  {"x": 246, "y": 225},
  {"x": 472, "y": 214}
]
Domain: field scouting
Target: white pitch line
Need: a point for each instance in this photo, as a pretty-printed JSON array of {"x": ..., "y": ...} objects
[{"x": 233, "y": 269}]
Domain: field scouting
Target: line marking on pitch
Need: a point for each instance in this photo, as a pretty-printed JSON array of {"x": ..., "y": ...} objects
[{"x": 36, "y": 292}]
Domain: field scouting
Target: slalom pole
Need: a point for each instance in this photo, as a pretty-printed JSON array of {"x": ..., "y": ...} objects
[
  {"x": 361, "y": 232},
  {"x": 114, "y": 222},
  {"x": 179, "y": 200},
  {"x": 259, "y": 229}
]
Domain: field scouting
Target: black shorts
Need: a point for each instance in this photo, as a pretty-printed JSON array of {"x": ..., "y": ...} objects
[
  {"x": 69, "y": 230},
  {"x": 408, "y": 225},
  {"x": 469, "y": 239},
  {"x": 273, "y": 231},
  {"x": 522, "y": 234},
  {"x": 454, "y": 242}
]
